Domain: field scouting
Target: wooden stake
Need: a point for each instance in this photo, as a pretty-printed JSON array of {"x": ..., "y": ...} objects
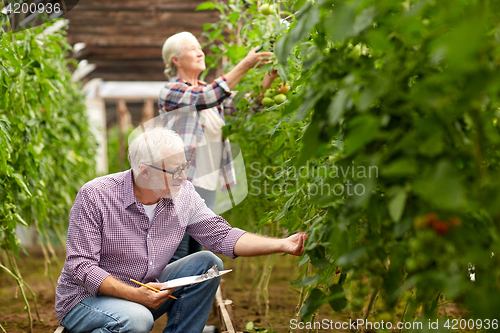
[
  {"x": 148, "y": 110},
  {"x": 124, "y": 123}
]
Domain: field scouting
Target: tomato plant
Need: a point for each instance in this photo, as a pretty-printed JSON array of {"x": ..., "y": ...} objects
[
  {"x": 396, "y": 103},
  {"x": 47, "y": 148}
]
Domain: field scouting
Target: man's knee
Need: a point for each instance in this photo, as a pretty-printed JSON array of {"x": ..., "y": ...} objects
[
  {"x": 211, "y": 259},
  {"x": 137, "y": 319}
]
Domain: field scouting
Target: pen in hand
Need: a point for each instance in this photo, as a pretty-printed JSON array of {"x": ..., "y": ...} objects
[{"x": 150, "y": 288}]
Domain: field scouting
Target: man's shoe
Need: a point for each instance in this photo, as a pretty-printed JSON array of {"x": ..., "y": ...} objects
[{"x": 210, "y": 329}]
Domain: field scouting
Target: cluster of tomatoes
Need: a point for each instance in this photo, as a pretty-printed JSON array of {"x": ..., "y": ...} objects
[
  {"x": 432, "y": 221},
  {"x": 267, "y": 9},
  {"x": 426, "y": 242},
  {"x": 275, "y": 96}
]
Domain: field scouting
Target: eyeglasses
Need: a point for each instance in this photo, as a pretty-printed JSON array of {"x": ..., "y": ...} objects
[{"x": 176, "y": 174}]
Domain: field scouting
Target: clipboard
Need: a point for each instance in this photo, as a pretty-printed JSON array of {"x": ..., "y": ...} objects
[{"x": 188, "y": 280}]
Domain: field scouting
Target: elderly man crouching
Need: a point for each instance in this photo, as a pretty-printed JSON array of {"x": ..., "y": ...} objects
[{"x": 127, "y": 226}]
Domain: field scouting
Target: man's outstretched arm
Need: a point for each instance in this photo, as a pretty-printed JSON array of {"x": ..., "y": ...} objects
[{"x": 249, "y": 245}]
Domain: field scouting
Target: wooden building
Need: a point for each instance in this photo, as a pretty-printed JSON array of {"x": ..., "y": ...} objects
[{"x": 123, "y": 38}]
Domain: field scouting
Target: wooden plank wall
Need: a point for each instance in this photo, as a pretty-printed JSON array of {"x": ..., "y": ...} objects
[{"x": 124, "y": 37}]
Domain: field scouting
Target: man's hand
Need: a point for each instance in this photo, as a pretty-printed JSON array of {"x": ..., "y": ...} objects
[
  {"x": 151, "y": 299},
  {"x": 111, "y": 286},
  {"x": 249, "y": 245},
  {"x": 294, "y": 244}
]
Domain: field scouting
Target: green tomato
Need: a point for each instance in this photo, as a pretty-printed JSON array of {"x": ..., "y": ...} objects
[
  {"x": 422, "y": 260},
  {"x": 279, "y": 98},
  {"x": 415, "y": 245},
  {"x": 267, "y": 101},
  {"x": 411, "y": 265},
  {"x": 270, "y": 93},
  {"x": 266, "y": 9}
]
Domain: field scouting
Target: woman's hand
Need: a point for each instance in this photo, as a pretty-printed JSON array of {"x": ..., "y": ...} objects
[
  {"x": 269, "y": 78},
  {"x": 254, "y": 58}
]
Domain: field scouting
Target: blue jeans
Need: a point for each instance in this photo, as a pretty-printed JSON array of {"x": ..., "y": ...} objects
[
  {"x": 189, "y": 245},
  {"x": 189, "y": 313}
]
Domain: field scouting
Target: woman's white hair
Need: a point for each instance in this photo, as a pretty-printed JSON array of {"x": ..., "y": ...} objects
[
  {"x": 149, "y": 146},
  {"x": 173, "y": 46}
]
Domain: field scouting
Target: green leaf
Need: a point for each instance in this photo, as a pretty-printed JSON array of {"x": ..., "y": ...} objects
[
  {"x": 397, "y": 204},
  {"x": 337, "y": 300},
  {"x": 298, "y": 4},
  {"x": 312, "y": 304},
  {"x": 362, "y": 130},
  {"x": 207, "y": 5},
  {"x": 364, "y": 20},
  {"x": 340, "y": 23},
  {"x": 362, "y": 191},
  {"x": 310, "y": 143},
  {"x": 337, "y": 106},
  {"x": 5, "y": 127},
  {"x": 239, "y": 97},
  {"x": 402, "y": 167},
  {"x": 394, "y": 277},
  {"x": 20, "y": 219},
  {"x": 304, "y": 260},
  {"x": 283, "y": 72},
  {"x": 4, "y": 71},
  {"x": 307, "y": 281},
  {"x": 443, "y": 187},
  {"x": 345, "y": 23},
  {"x": 307, "y": 18},
  {"x": 351, "y": 257},
  {"x": 20, "y": 181}
]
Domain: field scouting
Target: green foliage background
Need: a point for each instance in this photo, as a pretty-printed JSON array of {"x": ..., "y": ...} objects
[
  {"x": 47, "y": 150},
  {"x": 410, "y": 88}
]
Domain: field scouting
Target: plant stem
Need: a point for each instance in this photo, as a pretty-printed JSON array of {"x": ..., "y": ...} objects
[
  {"x": 372, "y": 300},
  {"x": 18, "y": 272},
  {"x": 404, "y": 312},
  {"x": 48, "y": 262},
  {"x": 266, "y": 286},
  {"x": 261, "y": 281},
  {"x": 20, "y": 283},
  {"x": 59, "y": 235},
  {"x": 297, "y": 308},
  {"x": 253, "y": 270}
]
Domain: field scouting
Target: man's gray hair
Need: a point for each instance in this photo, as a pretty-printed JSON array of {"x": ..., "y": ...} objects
[
  {"x": 173, "y": 46},
  {"x": 149, "y": 146}
]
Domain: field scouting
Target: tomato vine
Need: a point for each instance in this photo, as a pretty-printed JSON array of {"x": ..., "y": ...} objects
[
  {"x": 396, "y": 104},
  {"x": 47, "y": 148}
]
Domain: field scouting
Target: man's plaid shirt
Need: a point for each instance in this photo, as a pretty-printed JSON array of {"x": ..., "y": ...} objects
[{"x": 187, "y": 101}]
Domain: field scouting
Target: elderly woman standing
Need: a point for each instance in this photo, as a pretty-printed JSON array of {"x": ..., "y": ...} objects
[{"x": 201, "y": 129}]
